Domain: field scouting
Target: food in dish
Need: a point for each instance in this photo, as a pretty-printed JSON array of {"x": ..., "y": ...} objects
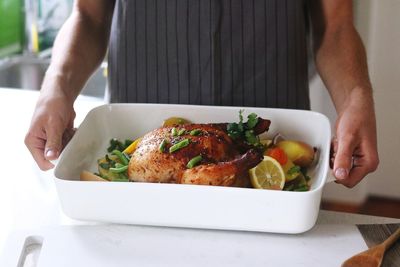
[
  {"x": 222, "y": 154},
  {"x": 203, "y": 154}
]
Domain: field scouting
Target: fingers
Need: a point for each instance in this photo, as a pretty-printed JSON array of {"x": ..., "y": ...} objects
[
  {"x": 53, "y": 146},
  {"x": 357, "y": 162},
  {"x": 43, "y": 151},
  {"x": 36, "y": 146},
  {"x": 343, "y": 158},
  {"x": 361, "y": 168}
]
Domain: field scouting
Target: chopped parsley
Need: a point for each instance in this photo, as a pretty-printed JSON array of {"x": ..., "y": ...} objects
[{"x": 244, "y": 130}]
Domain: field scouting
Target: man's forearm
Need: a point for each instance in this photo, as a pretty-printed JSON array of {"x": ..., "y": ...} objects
[
  {"x": 78, "y": 50},
  {"x": 341, "y": 62}
]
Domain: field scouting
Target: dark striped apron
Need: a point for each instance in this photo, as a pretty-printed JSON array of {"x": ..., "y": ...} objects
[{"x": 209, "y": 52}]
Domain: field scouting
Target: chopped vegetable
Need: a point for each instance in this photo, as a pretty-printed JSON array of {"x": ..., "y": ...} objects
[
  {"x": 162, "y": 145},
  {"x": 250, "y": 137},
  {"x": 245, "y": 130},
  {"x": 174, "y": 132},
  {"x": 121, "y": 157},
  {"x": 194, "y": 161},
  {"x": 119, "y": 170},
  {"x": 181, "y": 132},
  {"x": 252, "y": 120},
  {"x": 294, "y": 169},
  {"x": 180, "y": 145},
  {"x": 132, "y": 147},
  {"x": 174, "y": 121},
  {"x": 195, "y": 132},
  {"x": 278, "y": 154},
  {"x": 115, "y": 144}
]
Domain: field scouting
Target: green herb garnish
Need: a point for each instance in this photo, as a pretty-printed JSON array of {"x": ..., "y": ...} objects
[
  {"x": 194, "y": 161},
  {"x": 162, "y": 145},
  {"x": 181, "y": 132},
  {"x": 115, "y": 144},
  {"x": 293, "y": 170},
  {"x": 252, "y": 120},
  {"x": 195, "y": 132},
  {"x": 245, "y": 130},
  {"x": 180, "y": 145}
]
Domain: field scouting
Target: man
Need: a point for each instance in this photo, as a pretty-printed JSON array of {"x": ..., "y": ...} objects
[{"x": 216, "y": 52}]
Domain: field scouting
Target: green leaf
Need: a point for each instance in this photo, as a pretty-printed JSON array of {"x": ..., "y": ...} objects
[
  {"x": 252, "y": 120},
  {"x": 293, "y": 170},
  {"x": 241, "y": 127},
  {"x": 250, "y": 137},
  {"x": 232, "y": 127},
  {"x": 241, "y": 115}
]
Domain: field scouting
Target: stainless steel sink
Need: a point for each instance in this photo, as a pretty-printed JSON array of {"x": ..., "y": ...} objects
[{"x": 24, "y": 72}]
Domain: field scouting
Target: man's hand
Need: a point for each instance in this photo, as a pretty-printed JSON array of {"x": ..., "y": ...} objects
[
  {"x": 341, "y": 62},
  {"x": 78, "y": 50},
  {"x": 355, "y": 145},
  {"x": 51, "y": 129}
]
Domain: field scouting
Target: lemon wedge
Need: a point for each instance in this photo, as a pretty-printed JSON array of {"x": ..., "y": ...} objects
[
  {"x": 132, "y": 147},
  {"x": 268, "y": 174},
  {"x": 175, "y": 121}
]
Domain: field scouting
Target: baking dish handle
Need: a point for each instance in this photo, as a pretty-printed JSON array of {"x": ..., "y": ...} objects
[{"x": 330, "y": 177}]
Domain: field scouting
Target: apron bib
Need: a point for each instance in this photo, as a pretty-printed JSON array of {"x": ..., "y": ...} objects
[{"x": 209, "y": 52}]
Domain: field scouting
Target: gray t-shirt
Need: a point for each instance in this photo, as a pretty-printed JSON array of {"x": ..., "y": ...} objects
[{"x": 210, "y": 52}]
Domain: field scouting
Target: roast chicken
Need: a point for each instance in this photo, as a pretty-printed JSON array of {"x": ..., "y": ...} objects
[{"x": 222, "y": 160}]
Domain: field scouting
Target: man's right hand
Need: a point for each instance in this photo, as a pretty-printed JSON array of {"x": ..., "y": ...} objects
[
  {"x": 78, "y": 50},
  {"x": 51, "y": 129}
]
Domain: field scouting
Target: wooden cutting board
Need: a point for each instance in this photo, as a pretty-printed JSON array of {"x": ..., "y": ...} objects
[
  {"x": 375, "y": 234},
  {"x": 101, "y": 246}
]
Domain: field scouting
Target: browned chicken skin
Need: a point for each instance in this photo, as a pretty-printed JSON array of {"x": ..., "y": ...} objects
[{"x": 224, "y": 161}]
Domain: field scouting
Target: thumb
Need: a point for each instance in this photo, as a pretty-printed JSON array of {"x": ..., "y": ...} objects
[
  {"x": 54, "y": 142},
  {"x": 343, "y": 158}
]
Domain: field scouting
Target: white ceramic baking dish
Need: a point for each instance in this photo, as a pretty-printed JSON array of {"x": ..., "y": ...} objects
[{"x": 179, "y": 205}]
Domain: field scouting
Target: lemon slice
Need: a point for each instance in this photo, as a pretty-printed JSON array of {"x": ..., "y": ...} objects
[
  {"x": 132, "y": 147},
  {"x": 268, "y": 174}
]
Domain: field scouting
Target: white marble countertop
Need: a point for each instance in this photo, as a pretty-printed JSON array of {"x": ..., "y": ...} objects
[{"x": 28, "y": 197}]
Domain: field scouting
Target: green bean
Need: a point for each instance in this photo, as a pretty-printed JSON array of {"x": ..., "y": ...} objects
[
  {"x": 194, "y": 161},
  {"x": 174, "y": 132},
  {"x": 162, "y": 145},
  {"x": 181, "y": 132},
  {"x": 121, "y": 157},
  {"x": 119, "y": 170},
  {"x": 177, "y": 146},
  {"x": 195, "y": 132},
  {"x": 119, "y": 165}
]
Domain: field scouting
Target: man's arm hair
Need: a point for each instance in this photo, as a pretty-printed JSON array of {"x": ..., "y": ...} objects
[
  {"x": 339, "y": 52},
  {"x": 80, "y": 46}
]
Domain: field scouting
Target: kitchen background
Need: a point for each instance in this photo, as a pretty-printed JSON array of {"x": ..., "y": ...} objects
[{"x": 28, "y": 29}]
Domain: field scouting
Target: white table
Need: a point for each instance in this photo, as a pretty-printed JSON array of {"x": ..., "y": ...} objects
[{"x": 27, "y": 195}]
